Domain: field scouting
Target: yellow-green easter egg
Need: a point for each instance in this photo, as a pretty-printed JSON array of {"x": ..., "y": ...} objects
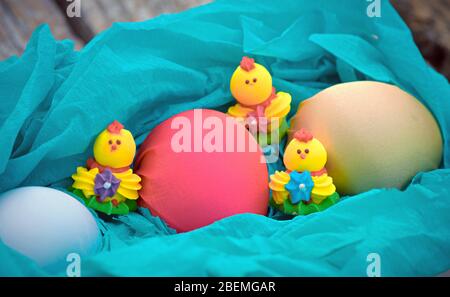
[{"x": 376, "y": 135}]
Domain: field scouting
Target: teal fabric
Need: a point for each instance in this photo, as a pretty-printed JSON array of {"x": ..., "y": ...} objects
[{"x": 55, "y": 100}]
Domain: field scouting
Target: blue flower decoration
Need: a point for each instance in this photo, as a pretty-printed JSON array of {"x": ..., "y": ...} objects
[{"x": 300, "y": 186}]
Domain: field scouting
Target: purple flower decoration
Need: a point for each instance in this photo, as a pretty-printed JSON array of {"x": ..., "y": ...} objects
[{"x": 106, "y": 184}]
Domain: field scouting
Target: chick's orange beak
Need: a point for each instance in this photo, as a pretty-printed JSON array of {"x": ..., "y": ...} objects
[{"x": 113, "y": 147}]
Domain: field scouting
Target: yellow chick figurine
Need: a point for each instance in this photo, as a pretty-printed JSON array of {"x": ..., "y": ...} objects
[
  {"x": 108, "y": 184},
  {"x": 305, "y": 186},
  {"x": 259, "y": 105}
]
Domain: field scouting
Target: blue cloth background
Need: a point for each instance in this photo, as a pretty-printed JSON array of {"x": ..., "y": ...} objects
[{"x": 55, "y": 100}]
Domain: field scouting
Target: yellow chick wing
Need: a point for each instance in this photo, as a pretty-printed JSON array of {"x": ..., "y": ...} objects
[
  {"x": 130, "y": 184},
  {"x": 279, "y": 180},
  {"x": 84, "y": 180},
  {"x": 239, "y": 111},
  {"x": 279, "y": 107},
  {"x": 277, "y": 184},
  {"x": 323, "y": 185}
]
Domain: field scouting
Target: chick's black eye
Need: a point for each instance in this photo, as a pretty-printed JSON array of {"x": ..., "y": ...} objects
[
  {"x": 110, "y": 141},
  {"x": 255, "y": 80},
  {"x": 299, "y": 151},
  {"x": 118, "y": 142},
  {"x": 307, "y": 151},
  {"x": 247, "y": 81}
]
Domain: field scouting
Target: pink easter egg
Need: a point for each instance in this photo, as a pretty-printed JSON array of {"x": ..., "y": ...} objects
[{"x": 200, "y": 166}]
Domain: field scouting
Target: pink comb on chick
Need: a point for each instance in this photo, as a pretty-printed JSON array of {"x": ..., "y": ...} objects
[
  {"x": 247, "y": 63},
  {"x": 303, "y": 135},
  {"x": 115, "y": 127}
]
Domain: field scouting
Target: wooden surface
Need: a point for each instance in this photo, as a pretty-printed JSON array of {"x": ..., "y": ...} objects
[
  {"x": 18, "y": 18},
  {"x": 428, "y": 20},
  {"x": 100, "y": 14}
]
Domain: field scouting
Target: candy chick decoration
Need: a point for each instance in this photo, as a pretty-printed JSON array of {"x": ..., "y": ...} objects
[
  {"x": 108, "y": 184},
  {"x": 259, "y": 105},
  {"x": 305, "y": 186}
]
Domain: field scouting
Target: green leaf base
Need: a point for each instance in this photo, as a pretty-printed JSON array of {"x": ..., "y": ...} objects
[
  {"x": 304, "y": 209},
  {"x": 108, "y": 208}
]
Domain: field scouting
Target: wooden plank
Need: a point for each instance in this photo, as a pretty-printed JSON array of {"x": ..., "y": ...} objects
[
  {"x": 428, "y": 20},
  {"x": 18, "y": 19},
  {"x": 11, "y": 35},
  {"x": 100, "y": 14}
]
